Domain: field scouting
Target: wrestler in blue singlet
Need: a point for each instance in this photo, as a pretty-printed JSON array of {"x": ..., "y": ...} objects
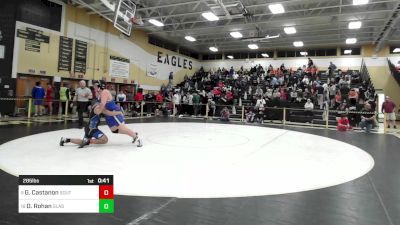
[{"x": 114, "y": 121}]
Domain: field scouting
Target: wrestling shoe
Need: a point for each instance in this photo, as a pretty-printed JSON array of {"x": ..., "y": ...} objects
[
  {"x": 140, "y": 143},
  {"x": 85, "y": 142},
  {"x": 135, "y": 138},
  {"x": 62, "y": 141}
]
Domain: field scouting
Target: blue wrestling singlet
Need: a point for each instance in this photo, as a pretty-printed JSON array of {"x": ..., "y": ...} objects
[{"x": 114, "y": 121}]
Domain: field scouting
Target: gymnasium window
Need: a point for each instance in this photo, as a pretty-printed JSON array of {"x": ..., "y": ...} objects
[
  {"x": 354, "y": 51},
  {"x": 331, "y": 52},
  {"x": 270, "y": 54},
  {"x": 392, "y": 48}
]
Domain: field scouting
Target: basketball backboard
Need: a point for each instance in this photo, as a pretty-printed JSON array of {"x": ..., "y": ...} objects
[{"x": 124, "y": 12}]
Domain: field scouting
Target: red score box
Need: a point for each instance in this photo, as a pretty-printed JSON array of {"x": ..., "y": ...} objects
[{"x": 106, "y": 192}]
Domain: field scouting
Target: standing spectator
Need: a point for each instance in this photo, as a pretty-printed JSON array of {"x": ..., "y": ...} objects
[
  {"x": 113, "y": 92},
  {"x": 196, "y": 104},
  {"x": 389, "y": 108},
  {"x": 49, "y": 99},
  {"x": 259, "y": 108},
  {"x": 367, "y": 119},
  {"x": 72, "y": 104},
  {"x": 332, "y": 67},
  {"x": 159, "y": 97},
  {"x": 38, "y": 94},
  {"x": 139, "y": 96},
  {"x": 332, "y": 93},
  {"x": 211, "y": 107},
  {"x": 190, "y": 103},
  {"x": 176, "y": 99},
  {"x": 320, "y": 95},
  {"x": 121, "y": 98},
  {"x": 159, "y": 101},
  {"x": 64, "y": 97},
  {"x": 171, "y": 79},
  {"x": 82, "y": 97},
  {"x": 310, "y": 63},
  {"x": 138, "y": 101}
]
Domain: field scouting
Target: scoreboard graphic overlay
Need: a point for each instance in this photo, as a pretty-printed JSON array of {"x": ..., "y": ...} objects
[{"x": 65, "y": 194}]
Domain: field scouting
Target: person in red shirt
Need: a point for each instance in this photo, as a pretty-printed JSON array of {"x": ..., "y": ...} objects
[
  {"x": 159, "y": 100},
  {"x": 343, "y": 123},
  {"x": 159, "y": 97},
  {"x": 49, "y": 98},
  {"x": 229, "y": 97},
  {"x": 217, "y": 92},
  {"x": 137, "y": 101},
  {"x": 138, "y": 97},
  {"x": 388, "y": 107}
]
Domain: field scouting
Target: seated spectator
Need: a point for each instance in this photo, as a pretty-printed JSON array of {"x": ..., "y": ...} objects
[
  {"x": 229, "y": 97},
  {"x": 343, "y": 123},
  {"x": 225, "y": 114},
  {"x": 338, "y": 98},
  {"x": 353, "y": 97},
  {"x": 259, "y": 91},
  {"x": 309, "y": 107},
  {"x": 367, "y": 118},
  {"x": 250, "y": 117},
  {"x": 300, "y": 95}
]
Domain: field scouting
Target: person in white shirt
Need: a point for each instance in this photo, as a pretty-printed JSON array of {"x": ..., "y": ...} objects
[
  {"x": 259, "y": 91},
  {"x": 309, "y": 106},
  {"x": 121, "y": 97},
  {"x": 306, "y": 80},
  {"x": 82, "y": 96},
  {"x": 176, "y": 99}
]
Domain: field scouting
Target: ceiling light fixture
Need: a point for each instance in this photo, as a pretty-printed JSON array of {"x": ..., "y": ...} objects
[
  {"x": 230, "y": 57},
  {"x": 210, "y": 16},
  {"x": 360, "y": 2},
  {"x": 290, "y": 30},
  {"x": 213, "y": 49},
  {"x": 351, "y": 41},
  {"x": 190, "y": 38},
  {"x": 355, "y": 25},
  {"x": 253, "y": 46},
  {"x": 265, "y": 55},
  {"x": 236, "y": 34},
  {"x": 156, "y": 23},
  {"x": 347, "y": 52},
  {"x": 276, "y": 8},
  {"x": 303, "y": 53},
  {"x": 298, "y": 44}
]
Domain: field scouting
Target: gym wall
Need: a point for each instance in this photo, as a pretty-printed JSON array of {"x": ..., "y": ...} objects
[{"x": 103, "y": 41}]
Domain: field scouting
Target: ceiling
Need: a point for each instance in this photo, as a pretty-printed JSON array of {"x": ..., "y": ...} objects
[{"x": 319, "y": 23}]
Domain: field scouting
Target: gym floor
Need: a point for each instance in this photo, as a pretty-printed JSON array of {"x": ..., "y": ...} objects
[{"x": 372, "y": 199}]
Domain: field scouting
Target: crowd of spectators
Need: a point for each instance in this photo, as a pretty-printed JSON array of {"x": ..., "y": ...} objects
[{"x": 262, "y": 88}]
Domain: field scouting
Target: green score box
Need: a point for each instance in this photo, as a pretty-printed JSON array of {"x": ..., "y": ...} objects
[{"x": 106, "y": 205}]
